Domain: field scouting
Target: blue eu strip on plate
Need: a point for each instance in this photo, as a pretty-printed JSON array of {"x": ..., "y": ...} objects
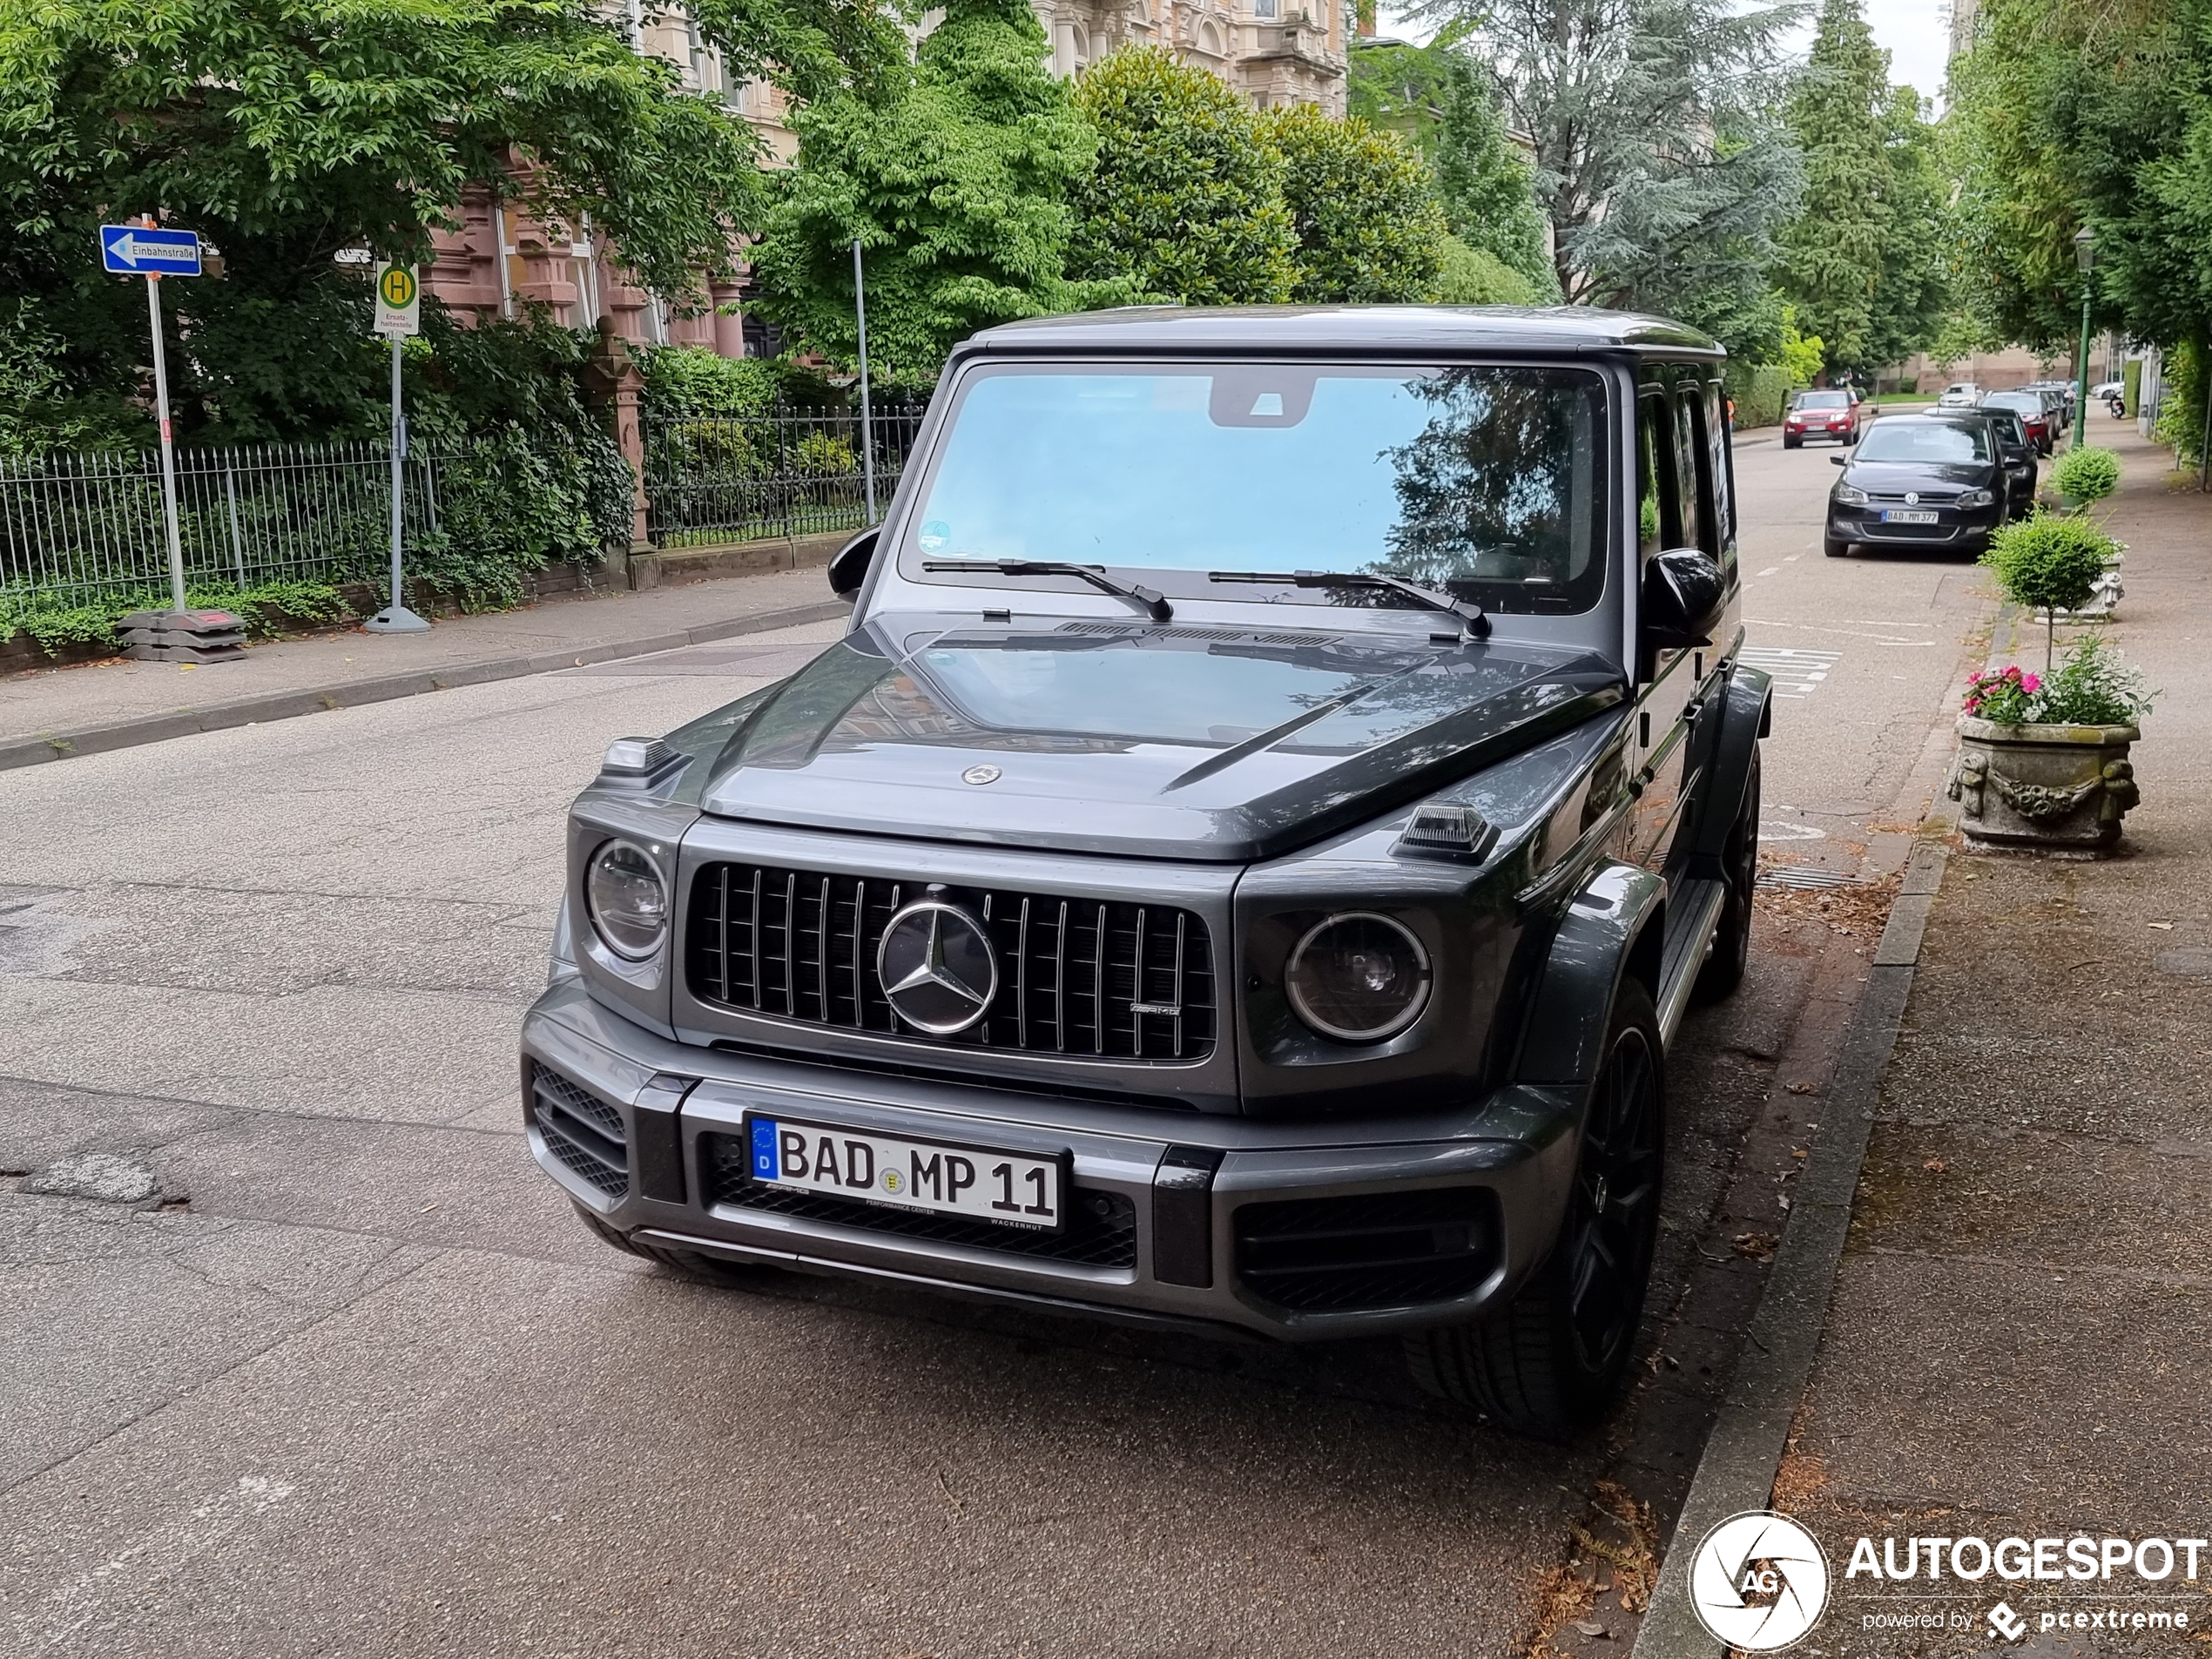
[{"x": 763, "y": 1148}]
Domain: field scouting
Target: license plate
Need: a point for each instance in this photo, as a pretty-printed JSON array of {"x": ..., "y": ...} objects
[
  {"x": 1013, "y": 1188},
  {"x": 1897, "y": 515}
]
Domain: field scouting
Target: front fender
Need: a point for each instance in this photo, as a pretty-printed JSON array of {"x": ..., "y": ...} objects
[
  {"x": 1613, "y": 926},
  {"x": 1746, "y": 714}
]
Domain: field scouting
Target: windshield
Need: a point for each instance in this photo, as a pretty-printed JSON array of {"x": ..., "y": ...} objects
[
  {"x": 1823, "y": 401},
  {"x": 1930, "y": 441},
  {"x": 1487, "y": 481},
  {"x": 2015, "y": 400}
]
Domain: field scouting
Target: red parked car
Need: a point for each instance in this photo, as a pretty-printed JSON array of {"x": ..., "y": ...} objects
[
  {"x": 1838, "y": 415},
  {"x": 2043, "y": 422}
]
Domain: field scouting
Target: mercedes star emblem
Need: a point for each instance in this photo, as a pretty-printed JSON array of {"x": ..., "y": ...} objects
[
  {"x": 979, "y": 775},
  {"x": 1911, "y": 498},
  {"x": 937, "y": 967}
]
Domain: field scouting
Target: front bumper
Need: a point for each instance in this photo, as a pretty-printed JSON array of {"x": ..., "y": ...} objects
[
  {"x": 1807, "y": 433},
  {"x": 1485, "y": 1184},
  {"x": 1965, "y": 530}
]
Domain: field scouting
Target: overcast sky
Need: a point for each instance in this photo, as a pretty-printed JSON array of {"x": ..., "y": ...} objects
[{"x": 1913, "y": 31}]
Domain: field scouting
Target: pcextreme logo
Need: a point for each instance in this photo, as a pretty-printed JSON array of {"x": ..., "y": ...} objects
[{"x": 1759, "y": 1581}]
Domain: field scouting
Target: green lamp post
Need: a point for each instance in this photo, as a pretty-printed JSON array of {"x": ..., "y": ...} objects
[{"x": 2085, "y": 255}]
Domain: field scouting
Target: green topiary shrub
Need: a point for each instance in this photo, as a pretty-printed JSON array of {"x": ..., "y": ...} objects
[
  {"x": 2085, "y": 475},
  {"x": 2050, "y": 563}
]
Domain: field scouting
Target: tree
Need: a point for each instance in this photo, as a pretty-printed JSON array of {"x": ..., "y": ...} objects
[
  {"x": 1184, "y": 201},
  {"x": 2065, "y": 116},
  {"x": 1473, "y": 276},
  {"x": 1487, "y": 188},
  {"x": 1368, "y": 229},
  {"x": 285, "y": 132},
  {"x": 956, "y": 185},
  {"x": 1832, "y": 256},
  {"x": 1440, "y": 101},
  {"x": 1914, "y": 292},
  {"x": 1659, "y": 161}
]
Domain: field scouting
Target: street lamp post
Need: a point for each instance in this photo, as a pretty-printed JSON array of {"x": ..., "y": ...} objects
[{"x": 2085, "y": 255}]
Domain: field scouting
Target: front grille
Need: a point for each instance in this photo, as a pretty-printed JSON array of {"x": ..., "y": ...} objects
[
  {"x": 1076, "y": 976},
  {"x": 1377, "y": 1249},
  {"x": 1101, "y": 1229},
  {"x": 582, "y": 1130}
]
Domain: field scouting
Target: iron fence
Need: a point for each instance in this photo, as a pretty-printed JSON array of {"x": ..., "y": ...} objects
[
  {"x": 785, "y": 475},
  {"x": 77, "y": 528}
]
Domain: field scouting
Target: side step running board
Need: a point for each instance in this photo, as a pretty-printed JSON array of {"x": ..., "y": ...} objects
[{"x": 1693, "y": 914}]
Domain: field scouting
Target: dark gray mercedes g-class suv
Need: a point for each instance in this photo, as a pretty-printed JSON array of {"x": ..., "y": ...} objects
[{"x": 1287, "y": 775}]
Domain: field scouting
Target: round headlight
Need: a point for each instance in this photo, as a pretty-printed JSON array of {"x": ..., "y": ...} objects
[
  {"x": 1359, "y": 977},
  {"x": 629, "y": 901}
]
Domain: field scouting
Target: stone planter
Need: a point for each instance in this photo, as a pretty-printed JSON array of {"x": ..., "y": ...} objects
[{"x": 2053, "y": 788}]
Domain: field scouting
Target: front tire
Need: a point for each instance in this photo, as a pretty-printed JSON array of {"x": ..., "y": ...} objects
[
  {"x": 1792, "y": 444},
  {"x": 1547, "y": 1365},
  {"x": 1834, "y": 548},
  {"x": 1731, "y": 952}
]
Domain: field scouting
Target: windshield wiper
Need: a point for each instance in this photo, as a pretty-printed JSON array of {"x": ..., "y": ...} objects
[
  {"x": 1152, "y": 603},
  {"x": 1470, "y": 614}
]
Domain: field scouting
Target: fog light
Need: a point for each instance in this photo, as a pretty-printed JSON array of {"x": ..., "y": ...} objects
[{"x": 1359, "y": 977}]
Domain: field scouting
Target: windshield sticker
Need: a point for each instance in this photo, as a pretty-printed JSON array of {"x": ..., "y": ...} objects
[{"x": 936, "y": 537}]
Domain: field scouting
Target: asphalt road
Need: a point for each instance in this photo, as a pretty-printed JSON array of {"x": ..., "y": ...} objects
[{"x": 362, "y": 1385}]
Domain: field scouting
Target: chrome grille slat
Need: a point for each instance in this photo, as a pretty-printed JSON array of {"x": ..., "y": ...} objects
[{"x": 1101, "y": 960}]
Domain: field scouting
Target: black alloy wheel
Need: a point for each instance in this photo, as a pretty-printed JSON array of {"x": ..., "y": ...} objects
[{"x": 1547, "y": 1365}]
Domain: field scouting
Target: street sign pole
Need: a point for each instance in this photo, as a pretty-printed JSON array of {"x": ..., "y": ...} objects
[
  {"x": 145, "y": 248},
  {"x": 860, "y": 317},
  {"x": 398, "y": 315},
  {"x": 168, "y": 449}
]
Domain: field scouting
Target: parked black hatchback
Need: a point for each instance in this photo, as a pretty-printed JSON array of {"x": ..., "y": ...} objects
[{"x": 1919, "y": 480}]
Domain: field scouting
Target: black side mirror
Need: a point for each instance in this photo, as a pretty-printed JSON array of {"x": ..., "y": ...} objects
[
  {"x": 1684, "y": 597},
  {"x": 850, "y": 568},
  {"x": 1839, "y": 460}
]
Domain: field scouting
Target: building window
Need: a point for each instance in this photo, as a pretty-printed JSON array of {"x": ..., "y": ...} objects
[{"x": 1267, "y": 10}]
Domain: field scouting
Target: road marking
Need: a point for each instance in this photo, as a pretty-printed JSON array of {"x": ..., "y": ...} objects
[
  {"x": 1771, "y": 570},
  {"x": 1849, "y": 633},
  {"x": 1791, "y": 558},
  {"x": 1797, "y": 673}
]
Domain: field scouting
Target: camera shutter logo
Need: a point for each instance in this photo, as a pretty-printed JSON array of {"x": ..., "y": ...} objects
[{"x": 1758, "y": 1581}]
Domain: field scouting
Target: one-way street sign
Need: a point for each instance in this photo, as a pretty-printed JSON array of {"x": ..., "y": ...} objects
[{"x": 132, "y": 250}]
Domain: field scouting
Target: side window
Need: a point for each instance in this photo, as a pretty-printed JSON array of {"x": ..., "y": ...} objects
[
  {"x": 1658, "y": 512},
  {"x": 1724, "y": 470},
  {"x": 1692, "y": 466}
]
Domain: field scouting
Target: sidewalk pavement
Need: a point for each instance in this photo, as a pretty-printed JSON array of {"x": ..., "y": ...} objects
[
  {"x": 2020, "y": 1339},
  {"x": 50, "y": 714}
]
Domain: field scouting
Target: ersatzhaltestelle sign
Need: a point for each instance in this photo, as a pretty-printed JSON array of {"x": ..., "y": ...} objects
[{"x": 1762, "y": 1582}]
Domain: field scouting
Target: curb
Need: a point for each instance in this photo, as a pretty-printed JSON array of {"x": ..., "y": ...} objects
[
  {"x": 285, "y": 705},
  {"x": 1744, "y": 1450}
]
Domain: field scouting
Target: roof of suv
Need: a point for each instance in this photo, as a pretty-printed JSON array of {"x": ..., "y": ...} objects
[{"x": 1348, "y": 328}]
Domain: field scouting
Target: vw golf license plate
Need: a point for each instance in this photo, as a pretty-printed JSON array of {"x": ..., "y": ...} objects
[
  {"x": 1011, "y": 1188},
  {"x": 1903, "y": 515}
]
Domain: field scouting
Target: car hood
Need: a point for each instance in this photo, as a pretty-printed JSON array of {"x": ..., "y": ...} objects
[
  {"x": 1189, "y": 742},
  {"x": 1891, "y": 478}
]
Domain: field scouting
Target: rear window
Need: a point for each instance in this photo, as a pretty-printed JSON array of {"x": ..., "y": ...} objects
[
  {"x": 1935, "y": 441},
  {"x": 2027, "y": 400},
  {"x": 1823, "y": 401}
]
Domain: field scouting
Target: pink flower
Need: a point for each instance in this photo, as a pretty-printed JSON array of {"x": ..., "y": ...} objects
[{"x": 2030, "y": 682}]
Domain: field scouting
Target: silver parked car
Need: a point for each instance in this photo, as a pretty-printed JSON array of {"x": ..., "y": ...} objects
[
  {"x": 1288, "y": 775},
  {"x": 1959, "y": 394}
]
